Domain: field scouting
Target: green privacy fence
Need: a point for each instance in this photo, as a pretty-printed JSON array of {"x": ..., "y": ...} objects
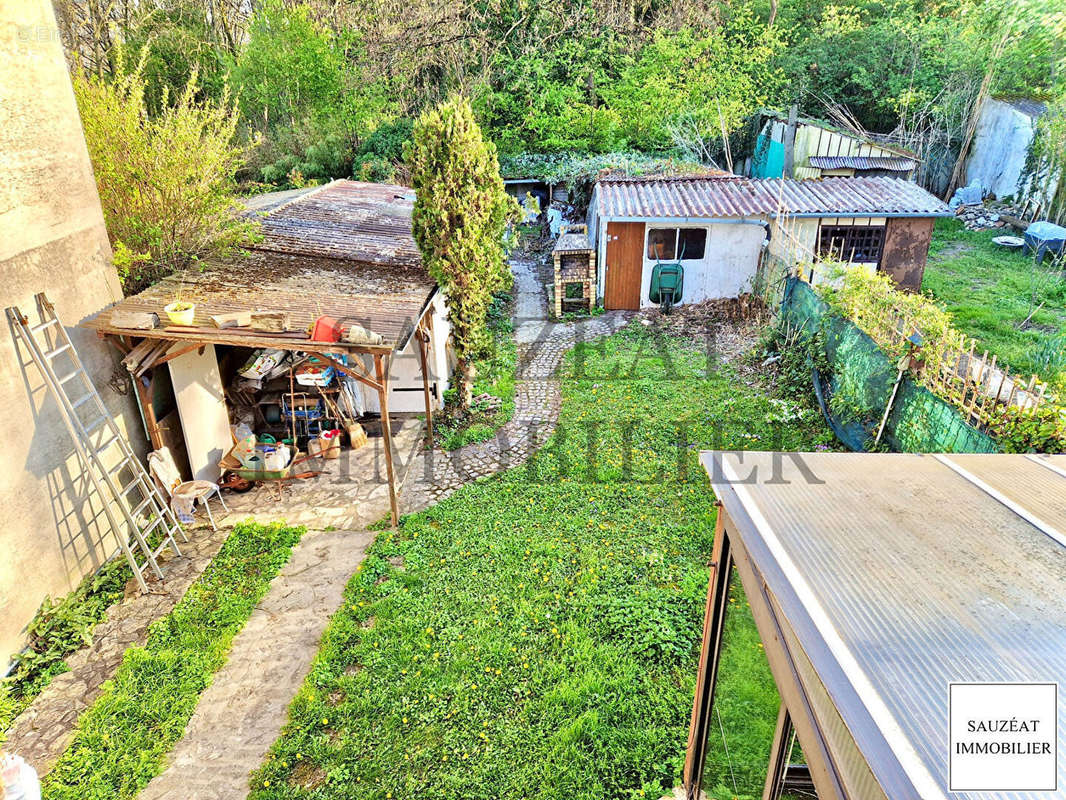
[{"x": 857, "y": 385}]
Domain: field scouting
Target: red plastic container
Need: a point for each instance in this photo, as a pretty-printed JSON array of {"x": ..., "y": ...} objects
[{"x": 326, "y": 329}]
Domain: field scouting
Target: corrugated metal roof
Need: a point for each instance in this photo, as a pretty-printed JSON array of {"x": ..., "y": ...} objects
[
  {"x": 256, "y": 204},
  {"x": 752, "y": 197},
  {"x": 898, "y": 575},
  {"x": 891, "y": 163},
  {"x": 350, "y": 220}
]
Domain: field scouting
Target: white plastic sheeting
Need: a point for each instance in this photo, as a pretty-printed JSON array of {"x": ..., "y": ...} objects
[{"x": 1000, "y": 145}]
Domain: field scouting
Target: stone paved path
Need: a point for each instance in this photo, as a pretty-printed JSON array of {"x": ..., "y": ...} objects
[
  {"x": 541, "y": 347},
  {"x": 42, "y": 732},
  {"x": 242, "y": 712}
]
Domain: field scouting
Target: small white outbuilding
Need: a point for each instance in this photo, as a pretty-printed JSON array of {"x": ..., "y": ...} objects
[{"x": 720, "y": 228}]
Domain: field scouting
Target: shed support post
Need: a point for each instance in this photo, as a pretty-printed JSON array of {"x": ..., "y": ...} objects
[
  {"x": 382, "y": 376},
  {"x": 423, "y": 342},
  {"x": 144, "y": 396},
  {"x": 790, "y": 142},
  {"x": 721, "y": 568},
  {"x": 779, "y": 755}
]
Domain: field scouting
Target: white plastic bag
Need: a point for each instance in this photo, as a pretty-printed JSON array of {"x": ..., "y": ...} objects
[
  {"x": 19, "y": 779},
  {"x": 261, "y": 364}
]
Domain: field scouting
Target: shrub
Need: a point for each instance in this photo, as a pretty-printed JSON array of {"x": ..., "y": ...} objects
[
  {"x": 166, "y": 182},
  {"x": 460, "y": 218},
  {"x": 1041, "y": 430}
]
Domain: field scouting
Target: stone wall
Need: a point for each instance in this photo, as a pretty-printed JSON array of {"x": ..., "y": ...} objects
[{"x": 52, "y": 239}]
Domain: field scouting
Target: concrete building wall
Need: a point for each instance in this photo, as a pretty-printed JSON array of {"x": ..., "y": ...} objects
[
  {"x": 52, "y": 239},
  {"x": 406, "y": 393}
]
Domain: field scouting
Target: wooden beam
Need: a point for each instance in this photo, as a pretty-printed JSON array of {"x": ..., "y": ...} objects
[
  {"x": 721, "y": 568},
  {"x": 171, "y": 356},
  {"x": 117, "y": 342},
  {"x": 381, "y": 372},
  {"x": 353, "y": 372},
  {"x": 144, "y": 396},
  {"x": 423, "y": 342},
  {"x": 780, "y": 751}
]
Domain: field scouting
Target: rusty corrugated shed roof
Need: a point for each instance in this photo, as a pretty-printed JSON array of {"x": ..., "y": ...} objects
[
  {"x": 900, "y": 573},
  {"x": 891, "y": 163},
  {"x": 349, "y": 220},
  {"x": 751, "y": 197}
]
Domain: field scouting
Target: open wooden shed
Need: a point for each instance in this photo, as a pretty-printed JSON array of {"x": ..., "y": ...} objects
[{"x": 343, "y": 252}]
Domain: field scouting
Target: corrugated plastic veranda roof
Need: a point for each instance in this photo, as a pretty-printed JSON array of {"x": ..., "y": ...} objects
[
  {"x": 900, "y": 574},
  {"x": 702, "y": 198}
]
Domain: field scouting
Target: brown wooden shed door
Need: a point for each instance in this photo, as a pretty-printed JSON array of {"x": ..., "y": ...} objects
[
  {"x": 906, "y": 248},
  {"x": 625, "y": 263}
]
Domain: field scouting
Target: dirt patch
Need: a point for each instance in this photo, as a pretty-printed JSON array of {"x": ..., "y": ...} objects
[
  {"x": 367, "y": 623},
  {"x": 397, "y": 562},
  {"x": 953, "y": 250},
  {"x": 353, "y": 669},
  {"x": 336, "y": 697},
  {"x": 1048, "y": 330},
  {"x": 728, "y": 328},
  {"x": 307, "y": 776}
]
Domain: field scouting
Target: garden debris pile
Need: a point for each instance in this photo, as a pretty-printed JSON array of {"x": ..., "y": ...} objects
[
  {"x": 987, "y": 216},
  {"x": 729, "y": 325}
]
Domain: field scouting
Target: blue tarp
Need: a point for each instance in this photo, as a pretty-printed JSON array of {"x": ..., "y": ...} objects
[{"x": 1044, "y": 237}]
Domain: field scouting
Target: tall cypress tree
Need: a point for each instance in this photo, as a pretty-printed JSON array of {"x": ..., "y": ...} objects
[{"x": 461, "y": 214}]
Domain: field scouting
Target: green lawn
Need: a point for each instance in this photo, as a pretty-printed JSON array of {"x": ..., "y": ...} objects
[
  {"x": 987, "y": 289},
  {"x": 121, "y": 739},
  {"x": 536, "y": 634}
]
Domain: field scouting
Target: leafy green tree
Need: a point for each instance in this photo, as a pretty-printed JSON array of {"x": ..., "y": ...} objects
[
  {"x": 166, "y": 182},
  {"x": 176, "y": 40},
  {"x": 290, "y": 69},
  {"x": 686, "y": 86},
  {"x": 461, "y": 216}
]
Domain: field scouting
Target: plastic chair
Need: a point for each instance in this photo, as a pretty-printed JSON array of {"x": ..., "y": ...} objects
[{"x": 161, "y": 463}]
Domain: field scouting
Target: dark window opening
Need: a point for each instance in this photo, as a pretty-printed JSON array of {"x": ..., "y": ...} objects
[
  {"x": 667, "y": 244},
  {"x": 692, "y": 244},
  {"x": 662, "y": 243},
  {"x": 858, "y": 244}
]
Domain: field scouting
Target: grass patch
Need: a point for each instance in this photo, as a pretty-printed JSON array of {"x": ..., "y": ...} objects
[
  {"x": 58, "y": 629},
  {"x": 987, "y": 289},
  {"x": 495, "y": 376},
  {"x": 536, "y": 634},
  {"x": 121, "y": 739}
]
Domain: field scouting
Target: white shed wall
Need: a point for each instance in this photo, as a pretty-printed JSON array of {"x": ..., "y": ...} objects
[
  {"x": 405, "y": 374},
  {"x": 727, "y": 268}
]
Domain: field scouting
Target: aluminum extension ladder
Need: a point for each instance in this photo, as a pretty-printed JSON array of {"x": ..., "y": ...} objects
[{"x": 135, "y": 509}]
